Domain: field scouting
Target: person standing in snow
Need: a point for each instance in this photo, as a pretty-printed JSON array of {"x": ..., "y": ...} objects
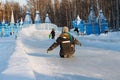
[
  {"x": 52, "y": 34},
  {"x": 67, "y": 44},
  {"x": 76, "y": 29}
]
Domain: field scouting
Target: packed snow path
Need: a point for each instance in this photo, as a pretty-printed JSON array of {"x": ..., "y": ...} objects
[
  {"x": 87, "y": 64},
  {"x": 6, "y": 50},
  {"x": 34, "y": 63}
]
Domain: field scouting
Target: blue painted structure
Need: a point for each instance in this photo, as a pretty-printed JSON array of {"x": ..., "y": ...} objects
[
  {"x": 9, "y": 28},
  {"x": 79, "y": 23},
  {"x": 102, "y": 21},
  {"x": 47, "y": 19},
  {"x": 37, "y": 18},
  {"x": 95, "y": 25},
  {"x": 27, "y": 19},
  {"x": 92, "y": 28}
]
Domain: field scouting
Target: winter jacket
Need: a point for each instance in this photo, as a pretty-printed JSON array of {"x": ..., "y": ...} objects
[
  {"x": 53, "y": 34},
  {"x": 67, "y": 44}
]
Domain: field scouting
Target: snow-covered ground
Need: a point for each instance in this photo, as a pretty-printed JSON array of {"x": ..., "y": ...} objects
[{"x": 26, "y": 58}]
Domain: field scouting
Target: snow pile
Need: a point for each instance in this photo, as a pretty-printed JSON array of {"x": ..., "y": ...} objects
[{"x": 27, "y": 59}]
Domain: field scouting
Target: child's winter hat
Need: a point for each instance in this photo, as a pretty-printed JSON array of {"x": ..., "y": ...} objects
[{"x": 65, "y": 29}]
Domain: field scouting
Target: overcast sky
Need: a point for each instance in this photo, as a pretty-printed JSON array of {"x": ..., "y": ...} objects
[{"x": 22, "y": 2}]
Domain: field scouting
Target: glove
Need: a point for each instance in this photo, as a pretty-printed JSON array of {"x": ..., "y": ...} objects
[{"x": 48, "y": 50}]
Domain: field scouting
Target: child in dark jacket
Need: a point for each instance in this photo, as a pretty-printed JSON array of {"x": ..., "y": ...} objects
[
  {"x": 52, "y": 34},
  {"x": 67, "y": 44}
]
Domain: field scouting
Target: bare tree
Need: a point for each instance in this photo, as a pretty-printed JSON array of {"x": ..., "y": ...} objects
[
  {"x": 65, "y": 11},
  {"x": 118, "y": 17},
  {"x": 57, "y": 12}
]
